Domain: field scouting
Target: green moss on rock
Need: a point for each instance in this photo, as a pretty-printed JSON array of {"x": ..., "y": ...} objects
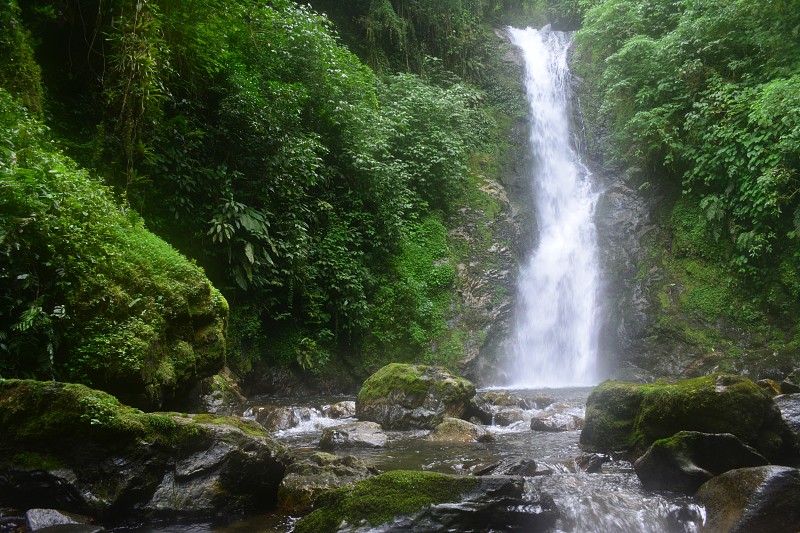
[
  {"x": 380, "y": 499},
  {"x": 630, "y": 417},
  {"x": 403, "y": 396}
]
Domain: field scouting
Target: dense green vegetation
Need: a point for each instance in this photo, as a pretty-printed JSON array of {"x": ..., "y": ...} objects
[
  {"x": 317, "y": 179},
  {"x": 87, "y": 293},
  {"x": 698, "y": 99}
]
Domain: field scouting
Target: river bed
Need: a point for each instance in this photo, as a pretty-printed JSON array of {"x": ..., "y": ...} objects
[{"x": 610, "y": 501}]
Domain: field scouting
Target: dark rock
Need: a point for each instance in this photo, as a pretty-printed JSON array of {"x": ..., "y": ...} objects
[
  {"x": 345, "y": 409},
  {"x": 591, "y": 463},
  {"x": 306, "y": 480},
  {"x": 789, "y": 405},
  {"x": 629, "y": 417},
  {"x": 72, "y": 528},
  {"x": 281, "y": 418},
  {"x": 400, "y": 396},
  {"x": 538, "y": 401},
  {"x": 353, "y": 435},
  {"x": 455, "y": 430},
  {"x": 747, "y": 500},
  {"x": 787, "y": 387},
  {"x": 78, "y": 449},
  {"x": 688, "y": 459},
  {"x": 502, "y": 398},
  {"x": 425, "y": 502},
  {"x": 479, "y": 409},
  {"x": 556, "y": 422},
  {"x": 770, "y": 385},
  {"x": 218, "y": 394}
]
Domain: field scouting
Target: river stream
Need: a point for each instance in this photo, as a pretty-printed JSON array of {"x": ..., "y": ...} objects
[{"x": 609, "y": 501}]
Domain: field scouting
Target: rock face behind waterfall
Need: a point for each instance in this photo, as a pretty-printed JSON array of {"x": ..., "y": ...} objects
[
  {"x": 630, "y": 417},
  {"x": 80, "y": 450},
  {"x": 400, "y": 396}
]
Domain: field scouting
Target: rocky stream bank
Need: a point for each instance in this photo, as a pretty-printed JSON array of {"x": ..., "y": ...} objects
[{"x": 417, "y": 450}]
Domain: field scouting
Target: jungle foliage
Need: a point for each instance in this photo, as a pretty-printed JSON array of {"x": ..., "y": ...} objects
[{"x": 703, "y": 96}]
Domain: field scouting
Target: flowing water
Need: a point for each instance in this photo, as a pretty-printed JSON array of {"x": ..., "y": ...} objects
[{"x": 556, "y": 331}]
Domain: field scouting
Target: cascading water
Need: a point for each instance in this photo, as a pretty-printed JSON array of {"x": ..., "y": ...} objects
[{"x": 556, "y": 330}]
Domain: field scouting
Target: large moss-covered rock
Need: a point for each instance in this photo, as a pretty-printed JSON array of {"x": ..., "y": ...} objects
[
  {"x": 630, "y": 417},
  {"x": 402, "y": 396},
  {"x": 80, "y": 450},
  {"x": 688, "y": 459},
  {"x": 87, "y": 293},
  {"x": 746, "y": 500},
  {"x": 426, "y": 502}
]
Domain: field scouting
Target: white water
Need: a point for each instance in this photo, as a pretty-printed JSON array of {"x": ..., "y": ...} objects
[{"x": 556, "y": 332}]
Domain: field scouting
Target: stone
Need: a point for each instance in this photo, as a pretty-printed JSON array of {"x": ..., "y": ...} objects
[
  {"x": 338, "y": 410},
  {"x": 688, "y": 459},
  {"x": 218, "y": 394},
  {"x": 353, "y": 435},
  {"x": 788, "y": 387},
  {"x": 506, "y": 416},
  {"x": 426, "y": 502},
  {"x": 402, "y": 396},
  {"x": 552, "y": 422},
  {"x": 51, "y": 519},
  {"x": 789, "y": 405},
  {"x": 770, "y": 385},
  {"x": 454, "y": 430},
  {"x": 281, "y": 418},
  {"x": 306, "y": 480},
  {"x": 629, "y": 417},
  {"x": 591, "y": 463},
  {"x": 78, "y": 449},
  {"x": 746, "y": 500}
]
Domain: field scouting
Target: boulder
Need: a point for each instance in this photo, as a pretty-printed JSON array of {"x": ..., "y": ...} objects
[
  {"x": 353, "y": 435},
  {"x": 455, "y": 430},
  {"x": 426, "y": 502},
  {"x": 553, "y": 422},
  {"x": 505, "y": 416},
  {"x": 629, "y": 417},
  {"x": 218, "y": 394},
  {"x": 51, "y": 519},
  {"x": 688, "y": 459},
  {"x": 764, "y": 498},
  {"x": 78, "y": 449},
  {"x": 306, "y": 480},
  {"x": 401, "y": 396},
  {"x": 281, "y": 418},
  {"x": 338, "y": 410},
  {"x": 591, "y": 463},
  {"x": 789, "y": 405}
]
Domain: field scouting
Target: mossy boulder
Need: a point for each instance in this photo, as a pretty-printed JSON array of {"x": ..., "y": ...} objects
[
  {"x": 688, "y": 459},
  {"x": 629, "y": 417},
  {"x": 88, "y": 294},
  {"x": 80, "y": 450},
  {"x": 759, "y": 499},
  {"x": 426, "y": 502},
  {"x": 404, "y": 396},
  {"x": 457, "y": 431},
  {"x": 306, "y": 480}
]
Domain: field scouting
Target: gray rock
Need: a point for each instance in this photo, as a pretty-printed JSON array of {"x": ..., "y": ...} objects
[
  {"x": 401, "y": 396},
  {"x": 688, "y": 459},
  {"x": 345, "y": 409},
  {"x": 556, "y": 422},
  {"x": 353, "y": 435},
  {"x": 789, "y": 405},
  {"x": 48, "y": 519},
  {"x": 454, "y": 430},
  {"x": 750, "y": 500},
  {"x": 306, "y": 480},
  {"x": 281, "y": 418},
  {"x": 505, "y": 416}
]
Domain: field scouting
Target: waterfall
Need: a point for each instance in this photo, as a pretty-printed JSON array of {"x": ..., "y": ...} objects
[{"x": 555, "y": 343}]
